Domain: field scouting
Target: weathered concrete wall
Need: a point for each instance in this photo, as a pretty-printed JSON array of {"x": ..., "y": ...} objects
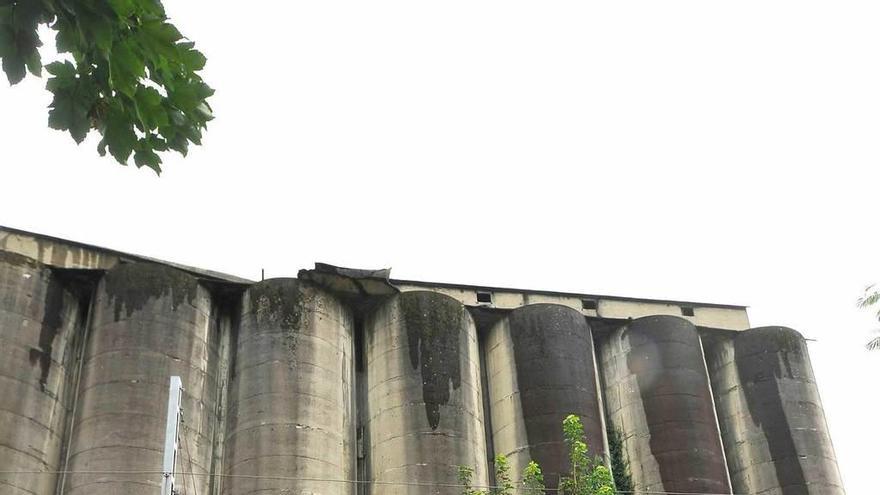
[
  {"x": 424, "y": 394},
  {"x": 149, "y": 322},
  {"x": 770, "y": 413},
  {"x": 540, "y": 369},
  {"x": 657, "y": 393},
  {"x": 38, "y": 319},
  {"x": 291, "y": 403},
  {"x": 269, "y": 381}
]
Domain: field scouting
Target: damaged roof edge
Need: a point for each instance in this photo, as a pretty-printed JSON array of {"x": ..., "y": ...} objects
[{"x": 380, "y": 281}]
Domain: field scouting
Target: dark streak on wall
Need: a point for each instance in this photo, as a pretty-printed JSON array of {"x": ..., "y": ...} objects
[
  {"x": 280, "y": 302},
  {"x": 764, "y": 356},
  {"x": 52, "y": 320},
  {"x": 132, "y": 285},
  {"x": 433, "y": 323},
  {"x": 553, "y": 351},
  {"x": 667, "y": 362}
]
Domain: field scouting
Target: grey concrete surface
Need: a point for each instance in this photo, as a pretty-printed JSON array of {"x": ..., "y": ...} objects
[
  {"x": 540, "y": 369},
  {"x": 149, "y": 322},
  {"x": 270, "y": 375},
  {"x": 770, "y": 414},
  {"x": 657, "y": 393},
  {"x": 291, "y": 401},
  {"x": 424, "y": 394},
  {"x": 38, "y": 319}
]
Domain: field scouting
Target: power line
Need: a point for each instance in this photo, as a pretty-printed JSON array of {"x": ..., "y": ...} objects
[{"x": 332, "y": 480}]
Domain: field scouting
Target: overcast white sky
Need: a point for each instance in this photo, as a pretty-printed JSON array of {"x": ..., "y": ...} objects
[{"x": 709, "y": 151}]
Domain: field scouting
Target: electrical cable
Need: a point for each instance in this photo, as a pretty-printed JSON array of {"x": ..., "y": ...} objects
[{"x": 332, "y": 480}]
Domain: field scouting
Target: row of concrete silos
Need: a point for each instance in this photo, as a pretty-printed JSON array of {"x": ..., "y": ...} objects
[{"x": 288, "y": 390}]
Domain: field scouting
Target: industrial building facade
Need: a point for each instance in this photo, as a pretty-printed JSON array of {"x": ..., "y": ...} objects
[{"x": 348, "y": 382}]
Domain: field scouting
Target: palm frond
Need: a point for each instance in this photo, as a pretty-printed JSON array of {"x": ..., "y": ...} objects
[{"x": 873, "y": 344}]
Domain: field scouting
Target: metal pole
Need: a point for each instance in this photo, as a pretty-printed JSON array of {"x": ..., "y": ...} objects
[{"x": 172, "y": 432}]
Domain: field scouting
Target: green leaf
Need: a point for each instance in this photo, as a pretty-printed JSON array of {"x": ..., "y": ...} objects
[
  {"x": 193, "y": 60},
  {"x": 146, "y": 156},
  {"x": 15, "y": 68},
  {"x": 33, "y": 63},
  {"x": 69, "y": 114},
  {"x": 126, "y": 68},
  {"x": 148, "y": 102},
  {"x": 123, "y": 8},
  {"x": 62, "y": 70},
  {"x": 119, "y": 136}
]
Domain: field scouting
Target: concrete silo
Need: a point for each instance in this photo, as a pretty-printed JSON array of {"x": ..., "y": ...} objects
[
  {"x": 149, "y": 322},
  {"x": 540, "y": 368},
  {"x": 770, "y": 413},
  {"x": 424, "y": 399},
  {"x": 38, "y": 319},
  {"x": 291, "y": 409},
  {"x": 657, "y": 394}
]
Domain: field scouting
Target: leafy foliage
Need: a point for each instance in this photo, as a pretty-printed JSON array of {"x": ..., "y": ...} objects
[
  {"x": 465, "y": 479},
  {"x": 533, "y": 479},
  {"x": 871, "y": 299},
  {"x": 503, "y": 484},
  {"x": 619, "y": 466},
  {"x": 128, "y": 73},
  {"x": 588, "y": 476}
]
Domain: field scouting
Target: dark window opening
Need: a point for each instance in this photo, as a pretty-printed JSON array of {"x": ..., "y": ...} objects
[
  {"x": 590, "y": 304},
  {"x": 687, "y": 311},
  {"x": 484, "y": 297}
]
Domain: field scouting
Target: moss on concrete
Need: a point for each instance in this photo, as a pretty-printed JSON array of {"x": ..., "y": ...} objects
[
  {"x": 280, "y": 303},
  {"x": 131, "y": 286},
  {"x": 433, "y": 324}
]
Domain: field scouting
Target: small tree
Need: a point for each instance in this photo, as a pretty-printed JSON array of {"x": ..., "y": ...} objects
[
  {"x": 465, "y": 479},
  {"x": 588, "y": 476},
  {"x": 533, "y": 479},
  {"x": 503, "y": 484}
]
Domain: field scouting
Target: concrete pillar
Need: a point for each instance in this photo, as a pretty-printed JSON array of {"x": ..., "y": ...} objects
[
  {"x": 770, "y": 413},
  {"x": 657, "y": 393},
  {"x": 150, "y": 322},
  {"x": 540, "y": 369},
  {"x": 38, "y": 319},
  {"x": 291, "y": 402},
  {"x": 424, "y": 395}
]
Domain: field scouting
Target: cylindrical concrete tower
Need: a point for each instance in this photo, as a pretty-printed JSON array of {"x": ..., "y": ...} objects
[
  {"x": 38, "y": 318},
  {"x": 150, "y": 322},
  {"x": 424, "y": 395},
  {"x": 657, "y": 394},
  {"x": 771, "y": 417},
  {"x": 540, "y": 369},
  {"x": 291, "y": 404}
]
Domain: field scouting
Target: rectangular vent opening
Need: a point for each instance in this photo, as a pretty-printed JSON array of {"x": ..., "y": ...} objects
[
  {"x": 687, "y": 311},
  {"x": 484, "y": 297},
  {"x": 590, "y": 304}
]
